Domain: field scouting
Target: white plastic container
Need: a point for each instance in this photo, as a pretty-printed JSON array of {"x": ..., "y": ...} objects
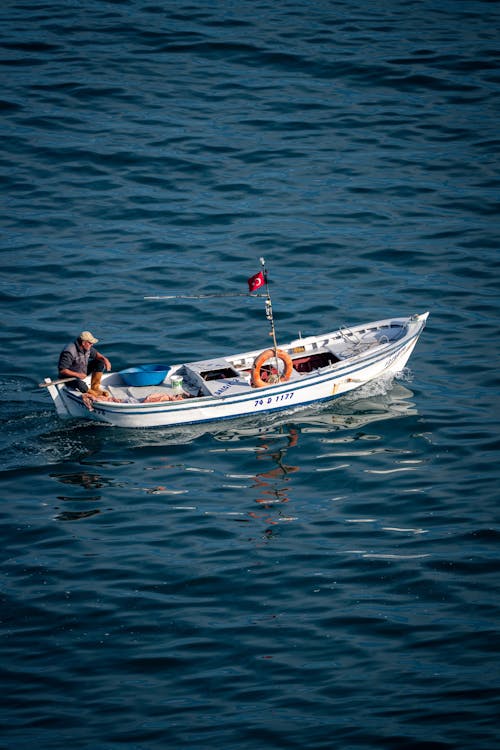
[{"x": 176, "y": 382}]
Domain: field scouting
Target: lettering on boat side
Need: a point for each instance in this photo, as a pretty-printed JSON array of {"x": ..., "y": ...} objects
[
  {"x": 395, "y": 356},
  {"x": 273, "y": 399},
  {"x": 225, "y": 387}
]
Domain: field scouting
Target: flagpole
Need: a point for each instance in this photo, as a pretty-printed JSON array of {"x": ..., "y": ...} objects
[{"x": 269, "y": 313}]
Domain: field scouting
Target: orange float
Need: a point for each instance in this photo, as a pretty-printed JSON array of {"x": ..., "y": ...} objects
[{"x": 257, "y": 381}]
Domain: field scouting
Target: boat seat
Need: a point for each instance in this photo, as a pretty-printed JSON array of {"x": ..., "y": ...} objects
[{"x": 225, "y": 387}]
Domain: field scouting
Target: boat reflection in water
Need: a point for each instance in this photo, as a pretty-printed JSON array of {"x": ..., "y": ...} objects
[
  {"x": 279, "y": 446},
  {"x": 277, "y": 443},
  {"x": 374, "y": 402}
]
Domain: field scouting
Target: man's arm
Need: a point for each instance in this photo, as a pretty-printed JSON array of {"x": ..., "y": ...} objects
[
  {"x": 64, "y": 367},
  {"x": 65, "y": 373}
]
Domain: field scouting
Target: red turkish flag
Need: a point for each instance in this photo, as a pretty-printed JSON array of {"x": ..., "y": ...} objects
[{"x": 256, "y": 281}]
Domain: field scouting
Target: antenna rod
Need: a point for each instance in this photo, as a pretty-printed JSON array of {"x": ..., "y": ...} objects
[{"x": 200, "y": 296}]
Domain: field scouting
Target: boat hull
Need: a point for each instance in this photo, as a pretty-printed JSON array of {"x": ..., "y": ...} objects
[{"x": 382, "y": 359}]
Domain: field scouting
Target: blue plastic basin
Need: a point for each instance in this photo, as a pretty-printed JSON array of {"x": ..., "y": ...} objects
[{"x": 145, "y": 374}]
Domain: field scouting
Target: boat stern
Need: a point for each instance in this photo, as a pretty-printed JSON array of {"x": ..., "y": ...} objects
[{"x": 58, "y": 399}]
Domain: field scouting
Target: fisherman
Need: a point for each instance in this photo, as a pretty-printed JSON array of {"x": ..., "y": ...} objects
[{"x": 79, "y": 359}]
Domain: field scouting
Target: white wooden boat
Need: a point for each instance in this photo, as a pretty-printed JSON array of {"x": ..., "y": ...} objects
[{"x": 304, "y": 371}]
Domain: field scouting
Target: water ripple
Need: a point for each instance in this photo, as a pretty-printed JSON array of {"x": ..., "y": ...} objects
[{"x": 237, "y": 585}]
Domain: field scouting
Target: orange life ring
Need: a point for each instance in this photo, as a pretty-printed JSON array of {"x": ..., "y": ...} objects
[{"x": 257, "y": 381}]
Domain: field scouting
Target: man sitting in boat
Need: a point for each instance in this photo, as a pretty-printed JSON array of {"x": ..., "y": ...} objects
[{"x": 79, "y": 359}]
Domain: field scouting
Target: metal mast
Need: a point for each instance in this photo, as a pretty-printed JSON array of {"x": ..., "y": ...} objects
[{"x": 269, "y": 313}]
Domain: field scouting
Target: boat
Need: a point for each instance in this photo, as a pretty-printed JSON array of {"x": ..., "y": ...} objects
[{"x": 305, "y": 371}]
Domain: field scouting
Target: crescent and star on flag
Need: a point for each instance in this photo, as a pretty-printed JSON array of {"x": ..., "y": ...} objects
[{"x": 256, "y": 281}]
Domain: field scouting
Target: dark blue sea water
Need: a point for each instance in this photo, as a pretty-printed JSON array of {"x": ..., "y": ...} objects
[{"x": 326, "y": 580}]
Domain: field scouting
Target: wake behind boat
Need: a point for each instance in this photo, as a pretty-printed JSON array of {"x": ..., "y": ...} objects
[{"x": 304, "y": 371}]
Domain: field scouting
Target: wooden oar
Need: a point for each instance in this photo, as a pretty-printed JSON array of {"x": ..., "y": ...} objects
[{"x": 55, "y": 382}]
